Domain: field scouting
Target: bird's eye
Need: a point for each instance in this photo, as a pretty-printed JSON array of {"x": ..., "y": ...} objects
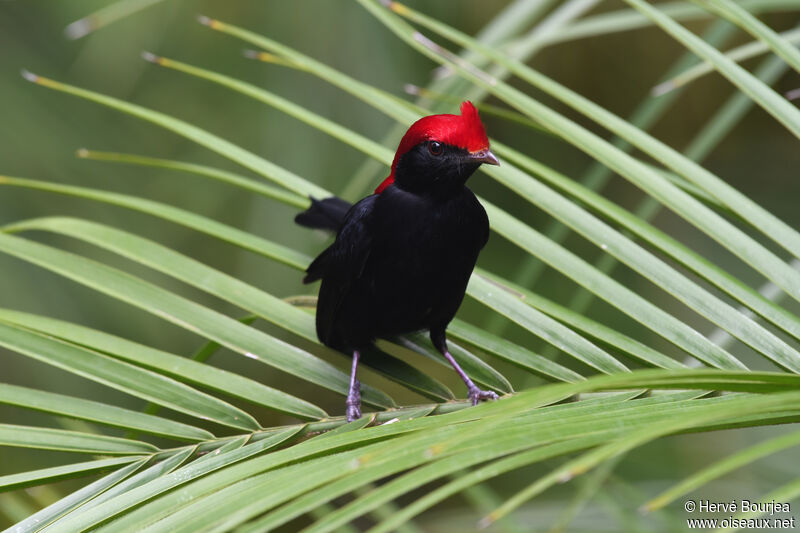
[{"x": 435, "y": 148}]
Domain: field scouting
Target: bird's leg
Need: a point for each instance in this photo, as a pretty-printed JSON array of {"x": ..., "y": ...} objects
[
  {"x": 354, "y": 394},
  {"x": 475, "y": 394}
]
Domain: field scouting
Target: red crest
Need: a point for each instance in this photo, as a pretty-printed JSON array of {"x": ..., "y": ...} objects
[{"x": 463, "y": 131}]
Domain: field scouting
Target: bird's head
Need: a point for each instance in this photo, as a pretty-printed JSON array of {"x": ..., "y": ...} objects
[{"x": 440, "y": 152}]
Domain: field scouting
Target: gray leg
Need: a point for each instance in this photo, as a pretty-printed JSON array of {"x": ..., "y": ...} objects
[
  {"x": 475, "y": 394},
  {"x": 354, "y": 395}
]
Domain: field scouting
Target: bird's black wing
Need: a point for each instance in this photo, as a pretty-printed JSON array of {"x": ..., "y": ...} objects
[
  {"x": 340, "y": 265},
  {"x": 350, "y": 249}
]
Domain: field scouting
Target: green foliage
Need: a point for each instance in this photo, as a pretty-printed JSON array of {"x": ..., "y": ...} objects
[{"x": 590, "y": 398}]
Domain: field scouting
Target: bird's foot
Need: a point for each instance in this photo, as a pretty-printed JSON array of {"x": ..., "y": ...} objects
[
  {"x": 476, "y": 395},
  {"x": 353, "y": 403},
  {"x": 353, "y": 412}
]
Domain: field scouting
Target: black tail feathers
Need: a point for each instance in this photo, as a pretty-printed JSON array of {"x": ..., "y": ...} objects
[{"x": 325, "y": 214}]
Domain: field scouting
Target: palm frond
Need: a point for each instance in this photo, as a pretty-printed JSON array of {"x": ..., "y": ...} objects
[{"x": 199, "y": 456}]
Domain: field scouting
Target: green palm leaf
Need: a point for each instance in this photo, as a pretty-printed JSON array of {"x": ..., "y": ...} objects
[{"x": 584, "y": 387}]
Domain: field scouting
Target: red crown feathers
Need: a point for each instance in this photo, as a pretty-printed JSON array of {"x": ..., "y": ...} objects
[{"x": 464, "y": 131}]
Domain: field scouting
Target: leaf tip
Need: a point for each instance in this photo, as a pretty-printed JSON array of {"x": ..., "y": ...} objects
[
  {"x": 397, "y": 7},
  {"x": 152, "y": 58},
  {"x": 208, "y": 21},
  {"x": 30, "y": 76},
  {"x": 794, "y": 94},
  {"x": 451, "y": 57},
  {"x": 486, "y": 521},
  {"x": 652, "y": 505},
  {"x": 566, "y": 477},
  {"x": 79, "y": 28},
  {"x": 571, "y": 474},
  {"x": 441, "y": 72},
  {"x": 427, "y": 43},
  {"x": 266, "y": 57},
  {"x": 663, "y": 88},
  {"x": 413, "y": 90}
]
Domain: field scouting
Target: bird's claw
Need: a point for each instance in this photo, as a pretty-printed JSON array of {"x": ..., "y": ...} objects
[
  {"x": 353, "y": 412},
  {"x": 353, "y": 403},
  {"x": 476, "y": 395}
]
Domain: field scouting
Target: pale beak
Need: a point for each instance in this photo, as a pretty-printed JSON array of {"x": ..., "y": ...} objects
[{"x": 484, "y": 156}]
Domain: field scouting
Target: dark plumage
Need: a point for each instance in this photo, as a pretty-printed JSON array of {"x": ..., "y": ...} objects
[
  {"x": 403, "y": 256},
  {"x": 324, "y": 214}
]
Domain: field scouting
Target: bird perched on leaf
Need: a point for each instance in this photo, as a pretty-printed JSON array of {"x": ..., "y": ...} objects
[{"x": 403, "y": 255}]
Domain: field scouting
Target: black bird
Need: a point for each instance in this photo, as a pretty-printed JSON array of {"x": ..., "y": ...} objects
[{"x": 403, "y": 256}]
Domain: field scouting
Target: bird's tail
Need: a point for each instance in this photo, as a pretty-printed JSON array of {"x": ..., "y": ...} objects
[{"x": 325, "y": 214}]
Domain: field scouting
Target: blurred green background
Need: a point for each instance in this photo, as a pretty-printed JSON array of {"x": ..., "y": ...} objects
[{"x": 40, "y": 131}]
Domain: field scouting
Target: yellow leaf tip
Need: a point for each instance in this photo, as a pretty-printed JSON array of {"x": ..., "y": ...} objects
[
  {"x": 30, "y": 76},
  {"x": 486, "y": 521},
  {"x": 152, "y": 58},
  {"x": 266, "y": 57},
  {"x": 653, "y": 505},
  {"x": 397, "y": 7},
  {"x": 208, "y": 21},
  {"x": 416, "y": 90}
]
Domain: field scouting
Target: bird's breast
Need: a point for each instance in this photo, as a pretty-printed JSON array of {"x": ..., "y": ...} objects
[
  {"x": 420, "y": 237},
  {"x": 421, "y": 220}
]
